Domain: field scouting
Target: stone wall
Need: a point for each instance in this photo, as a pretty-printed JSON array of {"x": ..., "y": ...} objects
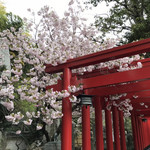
[
  {"x": 11, "y": 142},
  {"x": 52, "y": 146}
]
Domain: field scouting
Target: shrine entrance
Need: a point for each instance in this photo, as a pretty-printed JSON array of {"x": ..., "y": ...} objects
[{"x": 132, "y": 87}]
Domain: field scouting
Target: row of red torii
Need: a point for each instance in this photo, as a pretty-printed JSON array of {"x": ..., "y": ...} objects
[{"x": 96, "y": 84}]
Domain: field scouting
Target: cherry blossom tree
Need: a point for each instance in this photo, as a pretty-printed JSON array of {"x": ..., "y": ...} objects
[{"x": 52, "y": 40}]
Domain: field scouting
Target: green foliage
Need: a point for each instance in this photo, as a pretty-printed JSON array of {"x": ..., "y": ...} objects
[
  {"x": 24, "y": 106},
  {"x": 3, "y": 17},
  {"x": 128, "y": 130},
  {"x": 130, "y": 16},
  {"x": 8, "y": 20},
  {"x": 139, "y": 31},
  {"x": 13, "y": 21}
]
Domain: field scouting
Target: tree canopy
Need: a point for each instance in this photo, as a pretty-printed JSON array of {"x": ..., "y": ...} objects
[
  {"x": 131, "y": 17},
  {"x": 8, "y": 20},
  {"x": 3, "y": 17}
]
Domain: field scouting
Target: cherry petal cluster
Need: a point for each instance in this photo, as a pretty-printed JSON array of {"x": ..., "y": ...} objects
[
  {"x": 18, "y": 132},
  {"x": 123, "y": 105},
  {"x": 8, "y": 104},
  {"x": 144, "y": 105},
  {"x": 73, "y": 88},
  {"x": 122, "y": 64},
  {"x": 39, "y": 126},
  {"x": 14, "y": 117}
]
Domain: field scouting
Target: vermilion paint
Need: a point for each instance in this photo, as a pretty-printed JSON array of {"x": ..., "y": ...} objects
[{"x": 66, "y": 132}]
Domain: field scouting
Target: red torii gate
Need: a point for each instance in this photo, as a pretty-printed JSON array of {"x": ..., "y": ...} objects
[{"x": 97, "y": 84}]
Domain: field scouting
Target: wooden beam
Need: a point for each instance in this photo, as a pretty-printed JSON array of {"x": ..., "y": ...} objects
[
  {"x": 141, "y": 100},
  {"x": 145, "y": 112},
  {"x": 102, "y": 56},
  {"x": 118, "y": 89},
  {"x": 116, "y": 78}
]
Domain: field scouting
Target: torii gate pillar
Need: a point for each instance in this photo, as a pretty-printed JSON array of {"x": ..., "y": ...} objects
[
  {"x": 86, "y": 132},
  {"x": 116, "y": 128},
  {"x": 66, "y": 135},
  {"x": 98, "y": 124},
  {"x": 109, "y": 139}
]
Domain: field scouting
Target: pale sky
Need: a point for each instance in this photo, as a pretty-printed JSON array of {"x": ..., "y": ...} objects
[{"x": 19, "y": 7}]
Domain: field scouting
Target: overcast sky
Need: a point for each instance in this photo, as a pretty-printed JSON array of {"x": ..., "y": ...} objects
[{"x": 19, "y": 7}]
